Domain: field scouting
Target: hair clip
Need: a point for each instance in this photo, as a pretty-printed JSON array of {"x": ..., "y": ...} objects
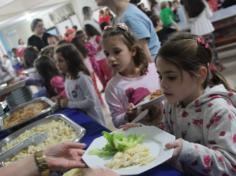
[
  {"x": 108, "y": 27},
  {"x": 122, "y": 26},
  {"x": 202, "y": 41},
  {"x": 212, "y": 68}
]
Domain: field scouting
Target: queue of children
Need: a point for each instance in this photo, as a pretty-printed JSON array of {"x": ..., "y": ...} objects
[{"x": 200, "y": 106}]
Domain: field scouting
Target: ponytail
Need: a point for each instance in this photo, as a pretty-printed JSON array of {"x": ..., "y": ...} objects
[
  {"x": 217, "y": 78},
  {"x": 189, "y": 52}
]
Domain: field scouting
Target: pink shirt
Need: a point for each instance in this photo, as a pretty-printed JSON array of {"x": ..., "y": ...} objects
[
  {"x": 116, "y": 92},
  {"x": 57, "y": 82},
  {"x": 96, "y": 42},
  {"x": 88, "y": 64}
]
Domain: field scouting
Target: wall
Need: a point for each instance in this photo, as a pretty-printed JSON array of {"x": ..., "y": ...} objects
[
  {"x": 22, "y": 30},
  {"x": 79, "y": 4},
  {"x": 14, "y": 32}
]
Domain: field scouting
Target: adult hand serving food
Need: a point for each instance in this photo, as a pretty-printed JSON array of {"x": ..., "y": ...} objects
[{"x": 56, "y": 158}]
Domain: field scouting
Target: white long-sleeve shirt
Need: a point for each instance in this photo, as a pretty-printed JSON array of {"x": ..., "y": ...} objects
[
  {"x": 8, "y": 66},
  {"x": 201, "y": 25},
  {"x": 81, "y": 95}
]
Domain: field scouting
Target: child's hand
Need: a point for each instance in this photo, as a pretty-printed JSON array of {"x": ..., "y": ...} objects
[
  {"x": 129, "y": 125},
  {"x": 55, "y": 99},
  {"x": 63, "y": 102},
  {"x": 131, "y": 113},
  {"x": 177, "y": 145}
]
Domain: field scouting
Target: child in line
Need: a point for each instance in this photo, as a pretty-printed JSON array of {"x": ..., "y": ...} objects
[
  {"x": 95, "y": 39},
  {"x": 91, "y": 51},
  {"x": 167, "y": 15},
  {"x": 48, "y": 51},
  {"x": 134, "y": 78},
  {"x": 78, "y": 84},
  {"x": 52, "y": 80},
  {"x": 162, "y": 32},
  {"x": 30, "y": 54},
  {"x": 200, "y": 109},
  {"x": 84, "y": 53},
  {"x": 6, "y": 63}
]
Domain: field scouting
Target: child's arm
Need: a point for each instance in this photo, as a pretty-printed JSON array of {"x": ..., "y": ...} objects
[
  {"x": 218, "y": 155},
  {"x": 87, "y": 89},
  {"x": 115, "y": 105}
]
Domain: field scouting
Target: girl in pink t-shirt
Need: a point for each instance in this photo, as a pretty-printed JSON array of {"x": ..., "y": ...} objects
[{"x": 135, "y": 77}]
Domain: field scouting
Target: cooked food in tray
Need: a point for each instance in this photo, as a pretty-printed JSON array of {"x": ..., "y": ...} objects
[
  {"x": 25, "y": 113},
  {"x": 57, "y": 131}
]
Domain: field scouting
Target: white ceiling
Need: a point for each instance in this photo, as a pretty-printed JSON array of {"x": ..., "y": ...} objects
[{"x": 11, "y": 10}]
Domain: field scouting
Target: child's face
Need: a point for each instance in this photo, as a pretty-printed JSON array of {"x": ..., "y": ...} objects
[
  {"x": 61, "y": 63},
  {"x": 119, "y": 57},
  {"x": 52, "y": 40},
  {"x": 177, "y": 86}
]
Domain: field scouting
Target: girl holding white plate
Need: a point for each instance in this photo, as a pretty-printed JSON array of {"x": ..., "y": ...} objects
[
  {"x": 200, "y": 109},
  {"x": 134, "y": 76}
]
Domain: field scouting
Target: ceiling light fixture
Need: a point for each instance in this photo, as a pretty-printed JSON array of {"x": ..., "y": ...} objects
[{"x": 27, "y": 16}]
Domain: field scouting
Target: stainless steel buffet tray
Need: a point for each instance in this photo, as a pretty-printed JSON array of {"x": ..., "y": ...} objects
[
  {"x": 47, "y": 111},
  {"x": 79, "y": 131}
]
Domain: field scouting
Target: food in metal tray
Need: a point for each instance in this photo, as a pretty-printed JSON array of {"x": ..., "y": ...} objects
[
  {"x": 27, "y": 112},
  {"x": 57, "y": 131}
]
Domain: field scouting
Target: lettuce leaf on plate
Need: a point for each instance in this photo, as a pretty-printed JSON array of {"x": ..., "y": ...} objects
[{"x": 116, "y": 142}]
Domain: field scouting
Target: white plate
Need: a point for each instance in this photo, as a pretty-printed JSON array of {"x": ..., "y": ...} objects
[
  {"x": 155, "y": 139},
  {"x": 147, "y": 102}
]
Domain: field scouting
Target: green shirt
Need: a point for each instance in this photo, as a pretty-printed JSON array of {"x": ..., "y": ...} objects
[{"x": 166, "y": 16}]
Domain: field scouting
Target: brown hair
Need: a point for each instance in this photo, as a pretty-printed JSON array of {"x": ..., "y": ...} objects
[
  {"x": 164, "y": 5},
  {"x": 73, "y": 59},
  {"x": 193, "y": 7},
  {"x": 140, "y": 59},
  {"x": 186, "y": 53},
  {"x": 47, "y": 70},
  {"x": 48, "y": 51},
  {"x": 155, "y": 20}
]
